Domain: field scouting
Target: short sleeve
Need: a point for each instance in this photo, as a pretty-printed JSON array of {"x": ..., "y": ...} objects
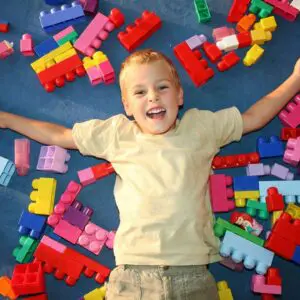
[{"x": 96, "y": 137}]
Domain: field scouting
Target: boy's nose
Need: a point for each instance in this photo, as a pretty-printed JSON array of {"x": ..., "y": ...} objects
[{"x": 153, "y": 97}]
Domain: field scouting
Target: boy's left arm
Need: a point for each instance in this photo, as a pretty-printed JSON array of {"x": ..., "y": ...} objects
[{"x": 264, "y": 110}]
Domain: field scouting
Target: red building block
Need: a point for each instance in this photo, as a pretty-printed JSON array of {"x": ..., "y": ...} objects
[
  {"x": 237, "y": 10},
  {"x": 245, "y": 39},
  {"x": 274, "y": 200},
  {"x": 287, "y": 133},
  {"x": 284, "y": 9},
  {"x": 4, "y": 26},
  {"x": 102, "y": 170},
  {"x": 212, "y": 51},
  {"x": 234, "y": 161},
  {"x": 116, "y": 17},
  {"x": 267, "y": 297},
  {"x": 135, "y": 34},
  {"x": 191, "y": 61},
  {"x": 273, "y": 277},
  {"x": 38, "y": 297},
  {"x": 228, "y": 61}
]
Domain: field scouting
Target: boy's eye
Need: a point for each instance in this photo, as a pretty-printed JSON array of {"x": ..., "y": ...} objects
[
  {"x": 163, "y": 87},
  {"x": 139, "y": 92}
]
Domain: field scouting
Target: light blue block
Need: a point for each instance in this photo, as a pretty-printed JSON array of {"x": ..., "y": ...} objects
[{"x": 7, "y": 169}]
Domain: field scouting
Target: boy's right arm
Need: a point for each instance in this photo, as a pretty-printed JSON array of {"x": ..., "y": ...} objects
[{"x": 42, "y": 132}]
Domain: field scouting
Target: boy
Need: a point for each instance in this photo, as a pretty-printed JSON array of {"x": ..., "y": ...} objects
[{"x": 165, "y": 238}]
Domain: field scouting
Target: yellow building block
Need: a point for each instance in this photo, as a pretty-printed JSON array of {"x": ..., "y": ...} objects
[
  {"x": 224, "y": 291},
  {"x": 252, "y": 55},
  {"x": 293, "y": 210},
  {"x": 65, "y": 55},
  {"x": 267, "y": 24},
  {"x": 241, "y": 196},
  {"x": 43, "y": 196},
  {"x": 259, "y": 36},
  {"x": 275, "y": 216},
  {"x": 95, "y": 61},
  {"x": 6, "y": 289},
  {"x": 96, "y": 294},
  {"x": 41, "y": 64}
]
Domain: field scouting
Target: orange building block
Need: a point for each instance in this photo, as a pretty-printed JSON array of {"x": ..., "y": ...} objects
[{"x": 6, "y": 289}]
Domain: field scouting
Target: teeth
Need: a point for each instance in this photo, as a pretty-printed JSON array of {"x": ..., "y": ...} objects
[{"x": 155, "y": 110}]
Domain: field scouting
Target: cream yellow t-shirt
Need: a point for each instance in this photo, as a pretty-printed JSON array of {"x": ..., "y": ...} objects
[{"x": 161, "y": 187}]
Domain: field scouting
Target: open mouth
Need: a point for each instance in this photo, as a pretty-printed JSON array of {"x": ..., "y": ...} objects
[{"x": 156, "y": 113}]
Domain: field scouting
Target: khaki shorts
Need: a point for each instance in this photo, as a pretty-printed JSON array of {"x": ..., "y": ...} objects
[{"x": 131, "y": 282}]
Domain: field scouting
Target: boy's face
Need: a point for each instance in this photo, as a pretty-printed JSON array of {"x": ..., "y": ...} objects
[{"x": 151, "y": 96}]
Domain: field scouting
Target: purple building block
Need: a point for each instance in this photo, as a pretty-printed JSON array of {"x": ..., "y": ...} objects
[
  {"x": 52, "y": 159},
  {"x": 196, "y": 41},
  {"x": 258, "y": 170},
  {"x": 281, "y": 172},
  {"x": 90, "y": 6}
]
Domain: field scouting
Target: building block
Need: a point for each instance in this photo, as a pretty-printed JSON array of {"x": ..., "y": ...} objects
[
  {"x": 96, "y": 294},
  {"x": 191, "y": 61},
  {"x": 224, "y": 291},
  {"x": 55, "y": 2},
  {"x": 235, "y": 161},
  {"x": 116, "y": 17},
  {"x": 66, "y": 199},
  {"x": 293, "y": 210},
  {"x": 53, "y": 159},
  {"x": 281, "y": 172},
  {"x": 24, "y": 253},
  {"x": 26, "y": 45},
  {"x": 271, "y": 147},
  {"x": 221, "y": 226},
  {"x": 31, "y": 224},
  {"x": 245, "y": 183},
  {"x": 38, "y": 297},
  {"x": 230, "y": 264},
  {"x": 22, "y": 156},
  {"x": 45, "y": 47},
  {"x": 290, "y": 115},
  {"x": 251, "y": 254},
  {"x": 221, "y": 32},
  {"x": 110, "y": 240},
  {"x": 292, "y": 152},
  {"x": 95, "y": 33},
  {"x": 274, "y": 200},
  {"x": 7, "y": 169},
  {"x": 202, "y": 11},
  {"x": 28, "y": 279},
  {"x": 267, "y": 24},
  {"x": 284, "y": 9},
  {"x": 259, "y": 36},
  {"x": 244, "y": 39},
  {"x": 90, "y": 6},
  {"x": 260, "y": 8},
  {"x": 67, "y": 263},
  {"x": 258, "y": 170},
  {"x": 287, "y": 133},
  {"x": 273, "y": 277},
  {"x": 43, "y": 195},
  {"x": 294, "y": 3},
  {"x": 237, "y": 10},
  {"x": 6, "y": 49},
  {"x": 4, "y": 26},
  {"x": 196, "y": 41},
  {"x": 296, "y": 255},
  {"x": 253, "y": 55},
  {"x": 66, "y": 35},
  {"x": 246, "y": 222},
  {"x": 212, "y": 51},
  {"x": 241, "y": 196},
  {"x": 143, "y": 27},
  {"x": 228, "y": 61},
  {"x": 245, "y": 23},
  {"x": 228, "y": 43},
  {"x": 6, "y": 289},
  {"x": 259, "y": 285},
  {"x": 253, "y": 206},
  {"x": 67, "y": 231},
  {"x": 275, "y": 216}
]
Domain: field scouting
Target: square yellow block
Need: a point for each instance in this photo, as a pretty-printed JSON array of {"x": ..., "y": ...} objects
[
  {"x": 293, "y": 210},
  {"x": 275, "y": 216},
  {"x": 268, "y": 24},
  {"x": 253, "y": 55},
  {"x": 259, "y": 36}
]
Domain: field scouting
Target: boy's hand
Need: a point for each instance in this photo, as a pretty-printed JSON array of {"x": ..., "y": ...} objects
[
  {"x": 2, "y": 120},
  {"x": 297, "y": 70}
]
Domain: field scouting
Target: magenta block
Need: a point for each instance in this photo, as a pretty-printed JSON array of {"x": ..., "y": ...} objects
[
  {"x": 22, "y": 156},
  {"x": 107, "y": 72},
  {"x": 292, "y": 152},
  {"x": 110, "y": 239},
  {"x": 284, "y": 9},
  {"x": 95, "y": 75},
  {"x": 90, "y": 6},
  {"x": 67, "y": 231},
  {"x": 63, "y": 33},
  {"x": 196, "y": 41},
  {"x": 258, "y": 285},
  {"x": 86, "y": 176},
  {"x": 229, "y": 263},
  {"x": 6, "y": 49},
  {"x": 258, "y": 170},
  {"x": 26, "y": 45},
  {"x": 281, "y": 172},
  {"x": 290, "y": 115}
]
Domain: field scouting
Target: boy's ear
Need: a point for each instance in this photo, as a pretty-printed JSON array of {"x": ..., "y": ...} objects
[
  {"x": 180, "y": 97},
  {"x": 127, "y": 107}
]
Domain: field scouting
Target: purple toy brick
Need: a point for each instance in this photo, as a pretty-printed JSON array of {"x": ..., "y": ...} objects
[
  {"x": 90, "y": 6},
  {"x": 78, "y": 215},
  {"x": 196, "y": 41},
  {"x": 270, "y": 148},
  {"x": 258, "y": 170},
  {"x": 281, "y": 172}
]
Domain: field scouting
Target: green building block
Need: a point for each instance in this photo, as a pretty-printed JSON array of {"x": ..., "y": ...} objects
[
  {"x": 252, "y": 206},
  {"x": 202, "y": 11},
  {"x": 221, "y": 226},
  {"x": 71, "y": 37},
  {"x": 260, "y": 8},
  {"x": 24, "y": 253}
]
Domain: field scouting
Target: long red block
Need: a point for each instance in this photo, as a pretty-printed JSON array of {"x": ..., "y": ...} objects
[
  {"x": 284, "y": 9},
  {"x": 212, "y": 51},
  {"x": 237, "y": 10},
  {"x": 234, "y": 161},
  {"x": 38, "y": 297},
  {"x": 102, "y": 170},
  {"x": 274, "y": 200},
  {"x": 228, "y": 61}
]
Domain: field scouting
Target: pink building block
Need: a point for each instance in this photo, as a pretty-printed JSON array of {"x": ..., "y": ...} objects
[
  {"x": 219, "y": 193},
  {"x": 52, "y": 159},
  {"x": 63, "y": 33},
  {"x": 290, "y": 116},
  {"x": 258, "y": 285},
  {"x": 221, "y": 32},
  {"x": 65, "y": 201},
  {"x": 229, "y": 263},
  {"x": 110, "y": 239},
  {"x": 26, "y": 45},
  {"x": 107, "y": 72},
  {"x": 86, "y": 176},
  {"x": 67, "y": 231},
  {"x": 292, "y": 152},
  {"x": 284, "y": 9},
  {"x": 196, "y": 41},
  {"x": 95, "y": 75},
  {"x": 22, "y": 156},
  {"x": 281, "y": 172},
  {"x": 6, "y": 49},
  {"x": 258, "y": 170}
]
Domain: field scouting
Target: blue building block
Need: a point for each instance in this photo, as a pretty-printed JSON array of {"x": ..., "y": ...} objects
[
  {"x": 45, "y": 47},
  {"x": 57, "y": 16},
  {"x": 55, "y": 2},
  {"x": 245, "y": 183},
  {"x": 7, "y": 169},
  {"x": 270, "y": 147},
  {"x": 63, "y": 25},
  {"x": 296, "y": 256},
  {"x": 31, "y": 224}
]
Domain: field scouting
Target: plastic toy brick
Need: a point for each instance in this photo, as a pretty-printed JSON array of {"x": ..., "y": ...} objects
[
  {"x": 212, "y": 51},
  {"x": 96, "y": 294},
  {"x": 253, "y": 55},
  {"x": 284, "y": 9},
  {"x": 144, "y": 27},
  {"x": 55, "y": 2},
  {"x": 244, "y": 39},
  {"x": 53, "y": 159},
  {"x": 95, "y": 75},
  {"x": 293, "y": 210},
  {"x": 294, "y": 3},
  {"x": 275, "y": 216},
  {"x": 116, "y": 17},
  {"x": 245, "y": 23},
  {"x": 259, "y": 36},
  {"x": 6, "y": 289},
  {"x": 281, "y": 172},
  {"x": 7, "y": 169},
  {"x": 90, "y": 6},
  {"x": 259, "y": 285},
  {"x": 274, "y": 200},
  {"x": 287, "y": 133},
  {"x": 43, "y": 196},
  {"x": 253, "y": 206},
  {"x": 228, "y": 43},
  {"x": 31, "y": 224},
  {"x": 221, "y": 226},
  {"x": 196, "y": 41},
  {"x": 258, "y": 170},
  {"x": 241, "y": 196},
  {"x": 90, "y": 175},
  {"x": 273, "y": 277},
  {"x": 290, "y": 115},
  {"x": 28, "y": 279},
  {"x": 66, "y": 35},
  {"x": 22, "y": 156},
  {"x": 95, "y": 61},
  {"x": 66, "y": 199},
  {"x": 110, "y": 240},
  {"x": 271, "y": 147},
  {"x": 68, "y": 263},
  {"x": 230, "y": 264},
  {"x": 235, "y": 161},
  {"x": 6, "y": 49},
  {"x": 246, "y": 222},
  {"x": 261, "y": 8},
  {"x": 38, "y": 297},
  {"x": 224, "y": 291},
  {"x": 228, "y": 61},
  {"x": 67, "y": 231},
  {"x": 245, "y": 183},
  {"x": 96, "y": 32},
  {"x": 45, "y": 47},
  {"x": 292, "y": 152},
  {"x": 26, "y": 45},
  {"x": 24, "y": 253},
  {"x": 251, "y": 254},
  {"x": 202, "y": 11},
  {"x": 237, "y": 10},
  {"x": 267, "y": 24},
  {"x": 220, "y": 32},
  {"x": 296, "y": 255},
  {"x": 93, "y": 238},
  {"x": 220, "y": 193},
  {"x": 4, "y": 26},
  {"x": 65, "y": 55}
]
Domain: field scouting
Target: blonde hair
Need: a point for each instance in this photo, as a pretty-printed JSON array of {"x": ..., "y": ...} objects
[{"x": 146, "y": 56}]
